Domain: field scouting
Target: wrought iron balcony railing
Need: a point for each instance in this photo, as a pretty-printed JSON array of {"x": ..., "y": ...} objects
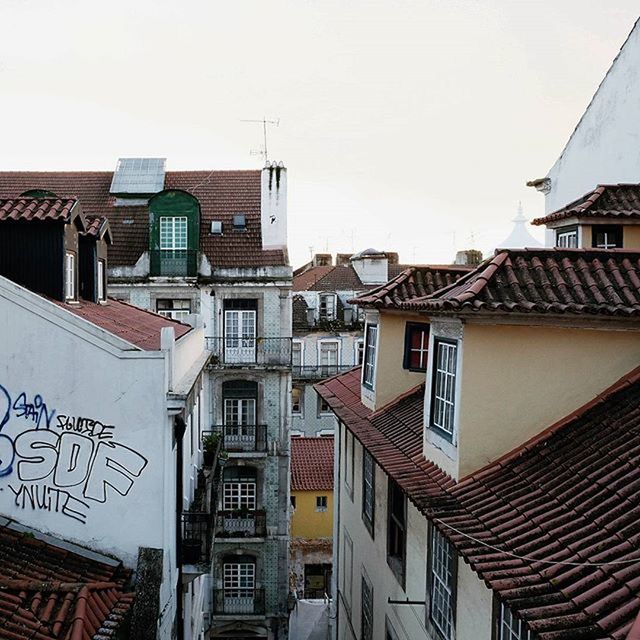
[
  {"x": 319, "y": 371},
  {"x": 241, "y": 524},
  {"x": 173, "y": 263},
  {"x": 196, "y": 537},
  {"x": 238, "y": 601},
  {"x": 250, "y": 350},
  {"x": 240, "y": 437}
]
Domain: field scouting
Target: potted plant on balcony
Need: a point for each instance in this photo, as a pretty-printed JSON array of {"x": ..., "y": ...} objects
[{"x": 209, "y": 448}]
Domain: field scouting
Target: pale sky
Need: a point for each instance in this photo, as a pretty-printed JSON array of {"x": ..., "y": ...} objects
[{"x": 409, "y": 126}]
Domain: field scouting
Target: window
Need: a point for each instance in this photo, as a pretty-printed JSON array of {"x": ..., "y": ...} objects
[
  {"x": 327, "y": 306},
  {"x": 369, "y": 366},
  {"x": 321, "y": 503},
  {"x": 368, "y": 490},
  {"x": 239, "y": 402},
  {"x": 416, "y": 346},
  {"x": 359, "y": 352},
  {"x": 102, "y": 295},
  {"x": 292, "y": 500},
  {"x": 567, "y": 237},
  {"x": 296, "y": 356},
  {"x": 173, "y": 233},
  {"x": 441, "y": 584},
  {"x": 443, "y": 386},
  {"x": 607, "y": 236},
  {"x": 328, "y": 358},
  {"x": 174, "y": 309},
  {"x": 240, "y": 332},
  {"x": 70, "y": 277},
  {"x": 347, "y": 569},
  {"x": 367, "y": 609},
  {"x": 296, "y": 400},
  {"x": 349, "y": 446},
  {"x": 323, "y": 407},
  {"x": 239, "y": 489},
  {"x": 396, "y": 530},
  {"x": 510, "y": 627},
  {"x": 239, "y": 580}
]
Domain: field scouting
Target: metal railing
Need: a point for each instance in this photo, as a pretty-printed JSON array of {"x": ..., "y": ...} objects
[
  {"x": 249, "y": 350},
  {"x": 319, "y": 371},
  {"x": 196, "y": 537},
  {"x": 238, "y": 601},
  {"x": 240, "y": 437},
  {"x": 241, "y": 524},
  {"x": 173, "y": 262}
]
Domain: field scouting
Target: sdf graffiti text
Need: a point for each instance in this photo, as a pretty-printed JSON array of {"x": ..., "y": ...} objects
[{"x": 63, "y": 466}]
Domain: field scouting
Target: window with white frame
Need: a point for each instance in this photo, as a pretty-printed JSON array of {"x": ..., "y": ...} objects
[
  {"x": 367, "y": 609},
  {"x": 296, "y": 400},
  {"x": 416, "y": 346},
  {"x": 323, "y": 407},
  {"x": 347, "y": 569},
  {"x": 239, "y": 489},
  {"x": 368, "y": 490},
  {"x": 174, "y": 309},
  {"x": 567, "y": 237},
  {"x": 240, "y": 577},
  {"x": 510, "y": 627},
  {"x": 70, "y": 276},
  {"x": 369, "y": 365},
  {"x": 327, "y": 309},
  {"x": 441, "y": 584},
  {"x": 321, "y": 503},
  {"x": 443, "y": 386},
  {"x": 296, "y": 356},
  {"x": 102, "y": 289},
  {"x": 328, "y": 357},
  {"x": 173, "y": 233}
]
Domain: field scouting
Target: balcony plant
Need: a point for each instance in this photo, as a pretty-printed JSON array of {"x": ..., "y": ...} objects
[{"x": 210, "y": 444}]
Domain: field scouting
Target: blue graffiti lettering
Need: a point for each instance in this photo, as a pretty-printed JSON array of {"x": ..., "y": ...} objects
[{"x": 34, "y": 411}]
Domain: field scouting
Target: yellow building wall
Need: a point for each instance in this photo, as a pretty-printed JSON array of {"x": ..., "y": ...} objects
[
  {"x": 517, "y": 381},
  {"x": 308, "y": 523},
  {"x": 391, "y": 378}
]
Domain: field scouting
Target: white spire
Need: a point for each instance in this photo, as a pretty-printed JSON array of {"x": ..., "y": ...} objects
[{"x": 519, "y": 238}]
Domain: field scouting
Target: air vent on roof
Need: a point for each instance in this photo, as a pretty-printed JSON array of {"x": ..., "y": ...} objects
[
  {"x": 239, "y": 222},
  {"x": 138, "y": 176},
  {"x": 216, "y": 227}
]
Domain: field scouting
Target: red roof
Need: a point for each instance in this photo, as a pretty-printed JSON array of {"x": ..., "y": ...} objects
[
  {"x": 36, "y": 208},
  {"x": 619, "y": 202},
  {"x": 411, "y": 283},
  {"x": 329, "y": 278},
  {"x": 569, "y": 495},
  {"x": 544, "y": 281},
  {"x": 50, "y": 592},
  {"x": 221, "y": 195},
  {"x": 141, "y": 328},
  {"x": 312, "y": 464},
  {"x": 97, "y": 227}
]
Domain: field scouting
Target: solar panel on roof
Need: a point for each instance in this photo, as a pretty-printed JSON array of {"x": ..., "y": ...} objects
[{"x": 138, "y": 176}]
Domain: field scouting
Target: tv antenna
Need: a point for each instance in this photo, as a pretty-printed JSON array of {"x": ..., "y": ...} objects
[{"x": 263, "y": 152}]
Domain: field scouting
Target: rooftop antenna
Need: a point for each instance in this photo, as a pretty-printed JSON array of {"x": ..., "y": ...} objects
[{"x": 264, "y": 151}]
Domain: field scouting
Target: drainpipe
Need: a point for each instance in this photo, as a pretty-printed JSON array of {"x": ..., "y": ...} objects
[
  {"x": 179, "y": 427},
  {"x": 335, "y": 578}
]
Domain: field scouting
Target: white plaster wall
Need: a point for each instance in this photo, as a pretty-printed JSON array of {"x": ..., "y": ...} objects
[
  {"x": 605, "y": 147},
  {"x": 474, "y": 605},
  {"x": 187, "y": 349}
]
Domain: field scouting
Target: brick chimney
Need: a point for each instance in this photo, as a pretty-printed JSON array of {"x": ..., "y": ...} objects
[
  {"x": 469, "y": 257},
  {"x": 274, "y": 206}
]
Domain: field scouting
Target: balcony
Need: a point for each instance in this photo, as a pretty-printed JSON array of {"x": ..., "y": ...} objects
[
  {"x": 241, "y": 438},
  {"x": 238, "y": 601},
  {"x": 196, "y": 537},
  {"x": 173, "y": 263},
  {"x": 250, "y": 350},
  {"x": 241, "y": 524},
  {"x": 319, "y": 371}
]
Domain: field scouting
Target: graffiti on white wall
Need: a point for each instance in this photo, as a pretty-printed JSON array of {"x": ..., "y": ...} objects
[{"x": 60, "y": 463}]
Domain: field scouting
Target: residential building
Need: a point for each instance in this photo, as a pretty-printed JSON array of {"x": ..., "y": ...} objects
[
  {"x": 102, "y": 410},
  {"x": 210, "y": 247},
  {"x": 490, "y": 495},
  {"x": 311, "y": 516}
]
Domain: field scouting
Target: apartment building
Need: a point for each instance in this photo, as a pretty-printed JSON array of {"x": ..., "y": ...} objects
[
  {"x": 209, "y": 248},
  {"x": 487, "y": 494}
]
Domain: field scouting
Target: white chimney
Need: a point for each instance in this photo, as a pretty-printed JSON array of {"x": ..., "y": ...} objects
[
  {"x": 274, "y": 206},
  {"x": 371, "y": 266}
]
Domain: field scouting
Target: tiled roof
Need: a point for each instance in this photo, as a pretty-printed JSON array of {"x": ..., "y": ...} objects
[
  {"x": 36, "y": 208},
  {"x": 221, "y": 195},
  {"x": 299, "y": 313},
  {"x": 411, "y": 283},
  {"x": 331, "y": 278},
  {"x": 141, "y": 328},
  {"x": 50, "y": 592},
  {"x": 96, "y": 226},
  {"x": 545, "y": 281},
  {"x": 312, "y": 464},
  {"x": 619, "y": 202},
  {"x": 569, "y": 495},
  {"x": 392, "y": 435}
]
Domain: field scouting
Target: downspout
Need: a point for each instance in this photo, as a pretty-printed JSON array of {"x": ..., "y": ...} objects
[
  {"x": 335, "y": 578},
  {"x": 179, "y": 427}
]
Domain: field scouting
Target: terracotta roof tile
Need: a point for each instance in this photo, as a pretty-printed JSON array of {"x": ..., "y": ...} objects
[
  {"x": 221, "y": 195},
  {"x": 546, "y": 281},
  {"x": 50, "y": 592},
  {"x": 25, "y": 209},
  {"x": 141, "y": 328},
  {"x": 329, "y": 278},
  {"x": 616, "y": 201},
  {"x": 312, "y": 464}
]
